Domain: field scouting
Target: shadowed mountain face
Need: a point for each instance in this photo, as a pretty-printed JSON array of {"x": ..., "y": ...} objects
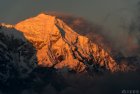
[{"x": 17, "y": 55}]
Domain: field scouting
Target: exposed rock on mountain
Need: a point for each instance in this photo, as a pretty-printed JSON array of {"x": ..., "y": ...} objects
[{"x": 59, "y": 46}]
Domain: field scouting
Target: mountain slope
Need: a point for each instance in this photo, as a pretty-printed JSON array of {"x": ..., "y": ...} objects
[
  {"x": 17, "y": 54},
  {"x": 59, "y": 46}
]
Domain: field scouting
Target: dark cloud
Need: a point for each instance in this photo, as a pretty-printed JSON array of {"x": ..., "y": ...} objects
[{"x": 85, "y": 84}]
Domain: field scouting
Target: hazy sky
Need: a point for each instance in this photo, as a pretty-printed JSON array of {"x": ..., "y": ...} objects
[{"x": 98, "y": 11}]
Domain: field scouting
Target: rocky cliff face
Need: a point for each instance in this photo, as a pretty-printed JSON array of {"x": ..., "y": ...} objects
[
  {"x": 59, "y": 46},
  {"x": 17, "y": 54}
]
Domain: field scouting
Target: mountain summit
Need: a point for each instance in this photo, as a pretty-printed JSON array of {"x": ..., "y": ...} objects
[{"x": 59, "y": 46}]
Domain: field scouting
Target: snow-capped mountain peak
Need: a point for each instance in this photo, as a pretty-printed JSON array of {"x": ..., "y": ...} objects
[{"x": 59, "y": 46}]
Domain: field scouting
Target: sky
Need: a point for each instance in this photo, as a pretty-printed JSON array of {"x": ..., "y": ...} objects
[{"x": 104, "y": 12}]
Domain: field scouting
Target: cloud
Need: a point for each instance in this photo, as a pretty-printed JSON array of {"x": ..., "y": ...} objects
[{"x": 117, "y": 43}]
